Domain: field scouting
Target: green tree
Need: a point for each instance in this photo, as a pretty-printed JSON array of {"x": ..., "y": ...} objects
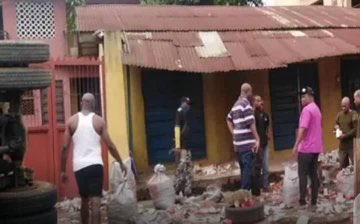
[{"x": 71, "y": 13}]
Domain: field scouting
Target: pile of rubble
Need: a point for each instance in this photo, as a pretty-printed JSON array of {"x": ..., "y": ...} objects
[
  {"x": 216, "y": 170},
  {"x": 335, "y": 200}
]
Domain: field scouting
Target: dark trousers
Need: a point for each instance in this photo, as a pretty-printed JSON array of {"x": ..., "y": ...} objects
[
  {"x": 308, "y": 163},
  {"x": 246, "y": 167},
  {"x": 257, "y": 181},
  {"x": 344, "y": 155}
]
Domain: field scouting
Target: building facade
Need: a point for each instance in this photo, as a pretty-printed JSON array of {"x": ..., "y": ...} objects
[{"x": 151, "y": 62}]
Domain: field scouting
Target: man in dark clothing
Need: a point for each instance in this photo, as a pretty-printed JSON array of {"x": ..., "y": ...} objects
[
  {"x": 262, "y": 126},
  {"x": 346, "y": 123},
  {"x": 181, "y": 124},
  {"x": 183, "y": 176}
]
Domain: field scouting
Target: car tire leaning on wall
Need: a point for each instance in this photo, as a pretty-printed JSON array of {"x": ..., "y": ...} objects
[
  {"x": 24, "y": 78},
  {"x": 35, "y": 199},
  {"x": 47, "y": 217},
  {"x": 16, "y": 53}
]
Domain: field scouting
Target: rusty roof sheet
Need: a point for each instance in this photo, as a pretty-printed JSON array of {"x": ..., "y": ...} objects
[
  {"x": 212, "y": 18},
  {"x": 250, "y": 50},
  {"x": 169, "y": 37},
  {"x": 90, "y": 2}
]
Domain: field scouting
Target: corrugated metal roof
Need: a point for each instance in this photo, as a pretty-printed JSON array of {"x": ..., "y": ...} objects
[
  {"x": 212, "y": 18},
  {"x": 250, "y": 50},
  {"x": 248, "y": 38},
  {"x": 89, "y": 2}
]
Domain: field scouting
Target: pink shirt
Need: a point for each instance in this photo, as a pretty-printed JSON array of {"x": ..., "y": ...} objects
[{"x": 310, "y": 119}]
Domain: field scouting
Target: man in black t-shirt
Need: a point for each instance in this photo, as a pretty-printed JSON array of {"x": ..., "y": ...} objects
[
  {"x": 183, "y": 175},
  {"x": 262, "y": 126},
  {"x": 182, "y": 125}
]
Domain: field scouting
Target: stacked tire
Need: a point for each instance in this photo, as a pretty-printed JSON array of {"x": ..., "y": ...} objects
[
  {"x": 30, "y": 204},
  {"x": 15, "y": 56}
]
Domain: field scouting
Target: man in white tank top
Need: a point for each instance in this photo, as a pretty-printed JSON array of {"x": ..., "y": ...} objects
[{"x": 86, "y": 129}]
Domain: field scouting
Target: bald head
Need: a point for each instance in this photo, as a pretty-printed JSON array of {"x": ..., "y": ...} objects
[
  {"x": 88, "y": 102},
  {"x": 357, "y": 98},
  {"x": 246, "y": 90},
  {"x": 345, "y": 104},
  {"x": 345, "y": 100}
]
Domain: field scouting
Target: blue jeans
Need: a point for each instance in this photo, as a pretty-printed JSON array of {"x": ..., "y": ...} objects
[
  {"x": 265, "y": 166},
  {"x": 246, "y": 165}
]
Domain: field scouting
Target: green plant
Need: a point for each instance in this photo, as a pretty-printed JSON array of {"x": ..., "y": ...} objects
[{"x": 71, "y": 13}]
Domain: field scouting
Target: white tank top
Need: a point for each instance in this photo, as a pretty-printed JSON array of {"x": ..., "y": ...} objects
[{"x": 87, "y": 145}]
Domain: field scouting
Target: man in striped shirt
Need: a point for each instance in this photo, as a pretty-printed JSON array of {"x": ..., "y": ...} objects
[{"x": 241, "y": 123}]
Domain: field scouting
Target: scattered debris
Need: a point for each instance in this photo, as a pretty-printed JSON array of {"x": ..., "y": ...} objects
[
  {"x": 212, "y": 193},
  {"x": 303, "y": 219},
  {"x": 230, "y": 168},
  {"x": 69, "y": 205},
  {"x": 237, "y": 198},
  {"x": 280, "y": 203},
  {"x": 345, "y": 182}
]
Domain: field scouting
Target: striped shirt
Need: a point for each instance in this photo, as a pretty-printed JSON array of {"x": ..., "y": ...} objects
[{"x": 242, "y": 117}]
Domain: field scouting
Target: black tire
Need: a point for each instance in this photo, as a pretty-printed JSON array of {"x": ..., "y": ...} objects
[
  {"x": 24, "y": 78},
  {"x": 23, "y": 52},
  {"x": 30, "y": 200},
  {"x": 47, "y": 217},
  {"x": 246, "y": 215}
]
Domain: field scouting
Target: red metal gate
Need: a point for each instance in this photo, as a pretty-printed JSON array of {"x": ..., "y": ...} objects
[{"x": 46, "y": 111}]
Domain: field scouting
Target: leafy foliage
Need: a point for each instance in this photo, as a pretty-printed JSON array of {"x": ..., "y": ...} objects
[{"x": 71, "y": 13}]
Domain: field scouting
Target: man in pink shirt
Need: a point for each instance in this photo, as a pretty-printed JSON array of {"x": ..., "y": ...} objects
[{"x": 308, "y": 145}]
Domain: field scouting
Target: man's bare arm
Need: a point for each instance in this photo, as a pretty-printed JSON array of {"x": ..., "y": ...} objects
[
  {"x": 65, "y": 150},
  {"x": 256, "y": 135},
  {"x": 230, "y": 126},
  {"x": 299, "y": 138}
]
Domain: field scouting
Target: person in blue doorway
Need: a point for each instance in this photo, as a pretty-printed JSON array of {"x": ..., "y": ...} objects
[{"x": 183, "y": 175}]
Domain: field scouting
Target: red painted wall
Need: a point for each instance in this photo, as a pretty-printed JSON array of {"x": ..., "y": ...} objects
[
  {"x": 58, "y": 43},
  {"x": 39, "y": 155},
  {"x": 45, "y": 142}
]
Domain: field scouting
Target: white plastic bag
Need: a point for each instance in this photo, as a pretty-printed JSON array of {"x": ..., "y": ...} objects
[
  {"x": 291, "y": 191},
  {"x": 161, "y": 188},
  {"x": 122, "y": 207},
  {"x": 117, "y": 176},
  {"x": 345, "y": 182}
]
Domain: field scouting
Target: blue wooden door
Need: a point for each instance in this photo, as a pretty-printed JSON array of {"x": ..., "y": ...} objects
[
  {"x": 285, "y": 87},
  {"x": 350, "y": 75},
  {"x": 162, "y": 91}
]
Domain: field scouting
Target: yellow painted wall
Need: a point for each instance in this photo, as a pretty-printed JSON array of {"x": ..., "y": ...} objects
[
  {"x": 259, "y": 80},
  {"x": 115, "y": 93},
  {"x": 330, "y": 97},
  {"x": 138, "y": 120},
  {"x": 220, "y": 91},
  {"x": 218, "y": 138}
]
